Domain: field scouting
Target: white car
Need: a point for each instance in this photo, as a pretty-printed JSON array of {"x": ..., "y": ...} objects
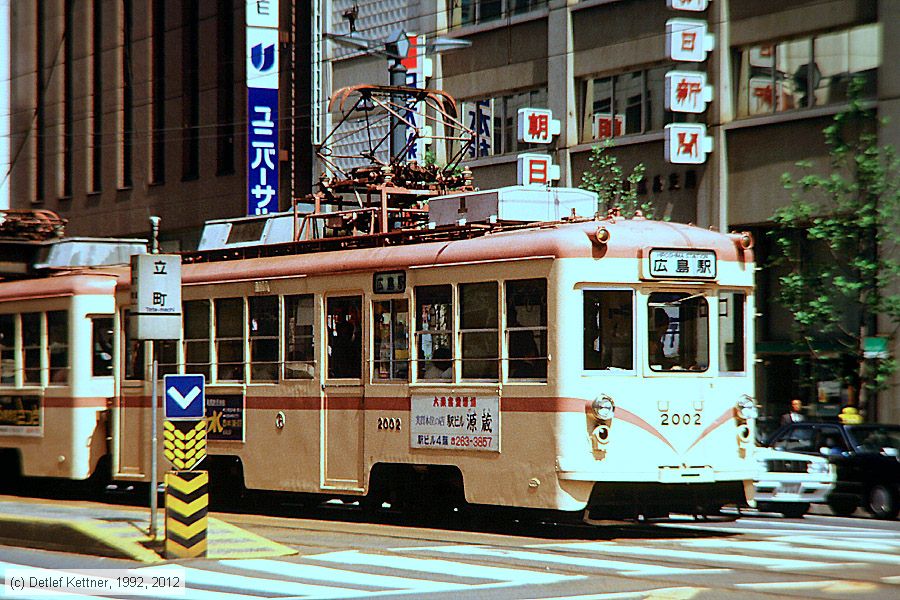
[{"x": 788, "y": 482}]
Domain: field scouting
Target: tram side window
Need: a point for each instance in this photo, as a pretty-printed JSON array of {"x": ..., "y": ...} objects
[
  {"x": 526, "y": 328},
  {"x": 344, "y": 337},
  {"x": 196, "y": 337},
  {"x": 229, "y": 339},
  {"x": 479, "y": 330},
  {"x": 102, "y": 346},
  {"x": 434, "y": 331},
  {"x": 167, "y": 357},
  {"x": 390, "y": 341},
  {"x": 134, "y": 351},
  {"x": 678, "y": 326},
  {"x": 7, "y": 349},
  {"x": 31, "y": 347},
  {"x": 608, "y": 330},
  {"x": 263, "y": 328},
  {"x": 58, "y": 344},
  {"x": 299, "y": 344},
  {"x": 731, "y": 332}
]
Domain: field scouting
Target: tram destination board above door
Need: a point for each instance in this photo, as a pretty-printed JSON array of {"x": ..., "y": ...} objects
[
  {"x": 390, "y": 282},
  {"x": 682, "y": 264}
]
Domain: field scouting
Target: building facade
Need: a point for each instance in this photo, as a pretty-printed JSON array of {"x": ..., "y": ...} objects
[
  {"x": 779, "y": 72},
  {"x": 123, "y": 109}
]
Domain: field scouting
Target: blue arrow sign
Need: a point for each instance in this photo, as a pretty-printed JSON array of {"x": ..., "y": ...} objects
[{"x": 185, "y": 398}]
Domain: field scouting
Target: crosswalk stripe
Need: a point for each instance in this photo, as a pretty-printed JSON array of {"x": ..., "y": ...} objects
[
  {"x": 836, "y": 586},
  {"x": 218, "y": 579},
  {"x": 318, "y": 573},
  {"x": 676, "y": 593},
  {"x": 895, "y": 579},
  {"x": 444, "y": 567},
  {"x": 789, "y": 529},
  {"x": 774, "y": 564},
  {"x": 783, "y": 548},
  {"x": 850, "y": 544},
  {"x": 623, "y": 568}
]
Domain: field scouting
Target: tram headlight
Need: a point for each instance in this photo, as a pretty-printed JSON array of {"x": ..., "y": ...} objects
[
  {"x": 746, "y": 408},
  {"x": 604, "y": 408}
]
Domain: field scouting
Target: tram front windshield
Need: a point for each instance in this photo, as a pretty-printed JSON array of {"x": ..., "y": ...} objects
[{"x": 678, "y": 326}]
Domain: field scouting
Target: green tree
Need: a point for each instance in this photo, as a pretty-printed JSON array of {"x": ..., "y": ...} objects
[
  {"x": 615, "y": 190},
  {"x": 851, "y": 214}
]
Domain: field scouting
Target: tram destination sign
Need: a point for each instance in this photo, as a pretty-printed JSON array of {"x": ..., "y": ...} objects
[{"x": 687, "y": 264}]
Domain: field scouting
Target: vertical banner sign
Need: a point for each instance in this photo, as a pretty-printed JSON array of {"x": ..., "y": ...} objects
[
  {"x": 689, "y": 5},
  {"x": 418, "y": 69},
  {"x": 537, "y": 125},
  {"x": 262, "y": 106},
  {"x": 156, "y": 296},
  {"x": 535, "y": 169},
  {"x": 687, "y": 40},
  {"x": 480, "y": 115},
  {"x": 687, "y": 92}
]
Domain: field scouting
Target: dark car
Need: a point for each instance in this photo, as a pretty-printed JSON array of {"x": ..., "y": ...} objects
[{"x": 866, "y": 456}]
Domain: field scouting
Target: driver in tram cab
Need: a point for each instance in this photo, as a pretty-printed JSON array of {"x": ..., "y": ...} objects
[{"x": 657, "y": 339}]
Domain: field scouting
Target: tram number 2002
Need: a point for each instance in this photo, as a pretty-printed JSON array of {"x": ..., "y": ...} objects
[
  {"x": 679, "y": 418},
  {"x": 389, "y": 423}
]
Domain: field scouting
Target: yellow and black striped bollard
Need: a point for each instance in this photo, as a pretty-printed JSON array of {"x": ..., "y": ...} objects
[{"x": 187, "y": 505}]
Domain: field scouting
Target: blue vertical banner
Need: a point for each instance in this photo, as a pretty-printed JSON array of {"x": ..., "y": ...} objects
[
  {"x": 262, "y": 151},
  {"x": 262, "y": 106}
]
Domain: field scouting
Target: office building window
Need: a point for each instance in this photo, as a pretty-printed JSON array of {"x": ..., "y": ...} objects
[
  {"x": 807, "y": 72},
  {"x": 225, "y": 89},
  {"x": 158, "y": 112},
  {"x": 127, "y": 76},
  {"x": 190, "y": 84},
  {"x": 628, "y": 103},
  {"x": 96, "y": 97},
  {"x": 68, "y": 100},
  {"x": 39, "y": 119},
  {"x": 470, "y": 12},
  {"x": 494, "y": 121}
]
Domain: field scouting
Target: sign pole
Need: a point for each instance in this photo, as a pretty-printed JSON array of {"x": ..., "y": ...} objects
[{"x": 153, "y": 435}]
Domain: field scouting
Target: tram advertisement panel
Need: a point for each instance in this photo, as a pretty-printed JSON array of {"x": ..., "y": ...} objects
[
  {"x": 226, "y": 417},
  {"x": 455, "y": 422},
  {"x": 20, "y": 415}
]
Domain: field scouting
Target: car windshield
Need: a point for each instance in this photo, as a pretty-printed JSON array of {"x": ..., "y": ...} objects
[{"x": 876, "y": 439}]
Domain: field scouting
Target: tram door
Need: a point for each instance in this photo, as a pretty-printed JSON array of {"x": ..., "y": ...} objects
[{"x": 343, "y": 401}]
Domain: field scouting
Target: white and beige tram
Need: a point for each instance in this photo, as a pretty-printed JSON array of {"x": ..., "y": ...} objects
[{"x": 600, "y": 364}]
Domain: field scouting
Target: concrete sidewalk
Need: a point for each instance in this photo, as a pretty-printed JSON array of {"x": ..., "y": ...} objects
[{"x": 121, "y": 532}]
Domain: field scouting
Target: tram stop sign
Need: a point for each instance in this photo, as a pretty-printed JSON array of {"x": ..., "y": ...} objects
[{"x": 185, "y": 397}]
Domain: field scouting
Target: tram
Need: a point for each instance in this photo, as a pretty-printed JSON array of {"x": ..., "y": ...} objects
[{"x": 596, "y": 365}]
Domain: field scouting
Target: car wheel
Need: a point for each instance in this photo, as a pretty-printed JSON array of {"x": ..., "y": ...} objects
[
  {"x": 882, "y": 502},
  {"x": 794, "y": 510},
  {"x": 842, "y": 508}
]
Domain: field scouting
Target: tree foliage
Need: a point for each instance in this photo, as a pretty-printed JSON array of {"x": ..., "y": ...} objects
[
  {"x": 851, "y": 214},
  {"x": 614, "y": 189}
]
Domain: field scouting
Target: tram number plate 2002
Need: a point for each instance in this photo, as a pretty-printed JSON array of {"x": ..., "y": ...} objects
[{"x": 688, "y": 418}]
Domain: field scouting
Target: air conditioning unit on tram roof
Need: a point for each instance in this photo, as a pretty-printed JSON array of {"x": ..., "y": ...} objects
[{"x": 515, "y": 203}]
